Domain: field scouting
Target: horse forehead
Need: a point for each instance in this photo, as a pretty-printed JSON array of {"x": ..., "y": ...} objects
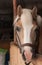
[
  {"x": 26, "y": 18},
  {"x": 26, "y": 11}
]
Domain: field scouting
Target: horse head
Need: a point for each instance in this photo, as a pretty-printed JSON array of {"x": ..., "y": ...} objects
[{"x": 26, "y": 22}]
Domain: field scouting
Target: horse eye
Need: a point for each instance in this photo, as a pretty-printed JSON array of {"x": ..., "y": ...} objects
[{"x": 18, "y": 28}]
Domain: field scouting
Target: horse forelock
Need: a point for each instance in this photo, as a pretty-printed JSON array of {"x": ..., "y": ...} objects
[{"x": 26, "y": 17}]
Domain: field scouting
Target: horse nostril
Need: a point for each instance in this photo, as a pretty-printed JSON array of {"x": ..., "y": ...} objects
[{"x": 18, "y": 28}]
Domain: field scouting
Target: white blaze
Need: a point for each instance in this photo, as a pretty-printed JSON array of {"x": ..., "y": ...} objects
[
  {"x": 27, "y": 32},
  {"x": 26, "y": 19}
]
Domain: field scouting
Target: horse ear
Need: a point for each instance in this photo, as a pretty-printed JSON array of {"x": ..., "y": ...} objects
[
  {"x": 34, "y": 11},
  {"x": 19, "y": 10}
]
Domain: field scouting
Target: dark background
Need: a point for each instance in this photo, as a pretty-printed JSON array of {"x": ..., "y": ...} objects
[{"x": 6, "y": 20}]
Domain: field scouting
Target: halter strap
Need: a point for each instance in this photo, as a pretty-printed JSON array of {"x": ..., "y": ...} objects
[{"x": 27, "y": 44}]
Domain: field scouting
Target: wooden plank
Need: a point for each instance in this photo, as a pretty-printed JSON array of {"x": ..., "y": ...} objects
[{"x": 14, "y": 8}]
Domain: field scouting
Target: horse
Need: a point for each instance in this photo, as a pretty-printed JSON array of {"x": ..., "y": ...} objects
[{"x": 26, "y": 25}]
